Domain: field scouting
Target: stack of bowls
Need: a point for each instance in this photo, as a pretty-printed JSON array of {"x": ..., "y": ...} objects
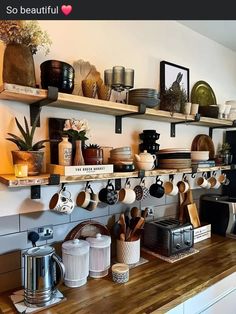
[
  {"x": 200, "y": 155},
  {"x": 58, "y": 74},
  {"x": 121, "y": 158},
  {"x": 146, "y": 96}
]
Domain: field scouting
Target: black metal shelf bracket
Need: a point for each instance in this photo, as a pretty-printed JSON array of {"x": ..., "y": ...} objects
[
  {"x": 173, "y": 124},
  {"x": 35, "y": 192},
  {"x": 36, "y": 106},
  {"x": 118, "y": 122},
  {"x": 222, "y": 127}
]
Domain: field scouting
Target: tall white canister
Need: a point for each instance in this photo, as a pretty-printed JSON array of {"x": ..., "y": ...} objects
[
  {"x": 75, "y": 256},
  {"x": 99, "y": 255}
]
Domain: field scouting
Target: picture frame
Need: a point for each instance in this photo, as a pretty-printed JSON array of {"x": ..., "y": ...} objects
[{"x": 172, "y": 74}]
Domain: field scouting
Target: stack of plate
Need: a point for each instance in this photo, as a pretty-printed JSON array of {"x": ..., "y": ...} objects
[
  {"x": 121, "y": 158},
  {"x": 145, "y": 96},
  {"x": 174, "y": 158}
]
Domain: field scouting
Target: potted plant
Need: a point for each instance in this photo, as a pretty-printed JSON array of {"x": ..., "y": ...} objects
[
  {"x": 173, "y": 99},
  {"x": 93, "y": 154},
  {"x": 225, "y": 153},
  {"x": 22, "y": 40},
  {"x": 29, "y": 153}
]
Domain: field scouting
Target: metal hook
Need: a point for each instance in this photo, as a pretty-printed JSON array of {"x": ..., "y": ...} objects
[
  {"x": 127, "y": 182},
  {"x": 204, "y": 175},
  {"x": 87, "y": 185},
  {"x": 214, "y": 173},
  {"x": 63, "y": 186},
  {"x": 184, "y": 177},
  {"x": 157, "y": 179},
  {"x": 193, "y": 175},
  {"x": 171, "y": 177},
  {"x": 142, "y": 181}
]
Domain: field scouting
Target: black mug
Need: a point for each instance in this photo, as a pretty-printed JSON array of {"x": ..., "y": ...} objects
[
  {"x": 157, "y": 189},
  {"x": 108, "y": 194}
]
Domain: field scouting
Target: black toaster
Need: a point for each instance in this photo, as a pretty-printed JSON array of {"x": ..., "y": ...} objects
[{"x": 168, "y": 236}]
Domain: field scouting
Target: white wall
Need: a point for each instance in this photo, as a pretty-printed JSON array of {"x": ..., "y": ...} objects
[{"x": 137, "y": 44}]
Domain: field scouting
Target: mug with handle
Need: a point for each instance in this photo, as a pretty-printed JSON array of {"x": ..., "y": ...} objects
[
  {"x": 127, "y": 195},
  {"x": 157, "y": 189},
  {"x": 62, "y": 202}
]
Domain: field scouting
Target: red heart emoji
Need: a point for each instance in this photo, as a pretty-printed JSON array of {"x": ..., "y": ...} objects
[{"x": 66, "y": 9}]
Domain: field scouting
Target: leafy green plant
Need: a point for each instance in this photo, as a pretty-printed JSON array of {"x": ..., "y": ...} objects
[
  {"x": 92, "y": 146},
  {"x": 173, "y": 99},
  {"x": 26, "y": 142},
  {"x": 225, "y": 148}
]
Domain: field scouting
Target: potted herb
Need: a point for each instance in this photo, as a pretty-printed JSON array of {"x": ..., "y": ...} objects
[
  {"x": 93, "y": 154},
  {"x": 225, "y": 153},
  {"x": 29, "y": 153},
  {"x": 173, "y": 99}
]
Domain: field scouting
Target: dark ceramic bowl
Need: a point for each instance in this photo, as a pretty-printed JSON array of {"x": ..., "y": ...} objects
[
  {"x": 149, "y": 136},
  {"x": 154, "y": 147},
  {"x": 59, "y": 74}
]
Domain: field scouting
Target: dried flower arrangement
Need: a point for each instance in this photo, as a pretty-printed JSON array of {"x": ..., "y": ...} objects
[
  {"x": 173, "y": 99},
  {"x": 27, "y": 33}
]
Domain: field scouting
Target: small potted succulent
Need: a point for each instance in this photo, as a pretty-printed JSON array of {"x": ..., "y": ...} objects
[
  {"x": 93, "y": 154},
  {"x": 28, "y": 152}
]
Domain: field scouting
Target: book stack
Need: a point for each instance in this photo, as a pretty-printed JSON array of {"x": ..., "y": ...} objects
[
  {"x": 203, "y": 163},
  {"x": 202, "y": 233}
]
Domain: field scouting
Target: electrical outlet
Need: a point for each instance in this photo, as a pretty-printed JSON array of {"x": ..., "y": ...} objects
[
  {"x": 44, "y": 232},
  {"x": 150, "y": 210}
]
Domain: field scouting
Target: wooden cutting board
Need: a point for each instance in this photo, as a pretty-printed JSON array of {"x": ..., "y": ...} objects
[
  {"x": 203, "y": 142},
  {"x": 193, "y": 214}
]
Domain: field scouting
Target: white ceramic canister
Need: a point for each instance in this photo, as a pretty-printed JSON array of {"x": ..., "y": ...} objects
[
  {"x": 65, "y": 152},
  {"x": 75, "y": 256},
  {"x": 99, "y": 255}
]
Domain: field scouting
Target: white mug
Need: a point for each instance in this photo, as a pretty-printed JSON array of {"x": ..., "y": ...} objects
[
  {"x": 203, "y": 183},
  {"x": 215, "y": 184},
  {"x": 194, "y": 109},
  {"x": 170, "y": 188},
  {"x": 127, "y": 196},
  {"x": 87, "y": 199},
  {"x": 183, "y": 186},
  {"x": 62, "y": 202},
  {"x": 223, "y": 179}
]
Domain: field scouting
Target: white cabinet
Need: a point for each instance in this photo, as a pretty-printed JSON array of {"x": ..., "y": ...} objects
[
  {"x": 226, "y": 305},
  {"x": 220, "y": 298}
]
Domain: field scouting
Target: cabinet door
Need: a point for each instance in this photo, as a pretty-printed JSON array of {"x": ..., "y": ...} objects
[
  {"x": 225, "y": 305},
  {"x": 210, "y": 296}
]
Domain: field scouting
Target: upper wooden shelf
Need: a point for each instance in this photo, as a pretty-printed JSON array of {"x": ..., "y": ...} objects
[
  {"x": 30, "y": 95},
  {"x": 11, "y": 181}
]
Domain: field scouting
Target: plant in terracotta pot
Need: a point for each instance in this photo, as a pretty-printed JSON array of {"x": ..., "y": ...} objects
[
  {"x": 22, "y": 40},
  {"x": 93, "y": 154},
  {"x": 29, "y": 153}
]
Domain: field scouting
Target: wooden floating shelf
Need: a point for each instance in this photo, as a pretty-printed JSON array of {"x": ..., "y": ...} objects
[
  {"x": 11, "y": 181},
  {"x": 30, "y": 95}
]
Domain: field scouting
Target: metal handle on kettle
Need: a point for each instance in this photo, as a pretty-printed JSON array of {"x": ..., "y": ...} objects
[{"x": 61, "y": 266}]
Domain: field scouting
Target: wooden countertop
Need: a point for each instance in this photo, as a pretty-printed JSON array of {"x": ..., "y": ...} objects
[{"x": 156, "y": 286}]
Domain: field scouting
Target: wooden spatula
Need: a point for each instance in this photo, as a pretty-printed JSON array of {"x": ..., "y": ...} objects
[{"x": 193, "y": 214}]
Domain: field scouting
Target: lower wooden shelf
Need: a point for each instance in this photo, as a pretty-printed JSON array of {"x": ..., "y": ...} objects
[{"x": 44, "y": 179}]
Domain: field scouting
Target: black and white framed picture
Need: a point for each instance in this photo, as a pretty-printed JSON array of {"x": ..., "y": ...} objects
[{"x": 174, "y": 76}]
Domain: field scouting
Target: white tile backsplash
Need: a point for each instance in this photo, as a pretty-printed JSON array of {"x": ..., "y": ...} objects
[
  {"x": 84, "y": 214},
  {"x": 9, "y": 224},
  {"x": 12, "y": 242},
  {"x": 32, "y": 220}
]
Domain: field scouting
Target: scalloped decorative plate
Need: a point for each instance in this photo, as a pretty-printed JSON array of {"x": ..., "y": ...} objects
[{"x": 83, "y": 71}]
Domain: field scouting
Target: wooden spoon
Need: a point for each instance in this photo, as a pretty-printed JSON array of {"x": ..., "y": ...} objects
[
  {"x": 135, "y": 212},
  {"x": 139, "y": 225}
]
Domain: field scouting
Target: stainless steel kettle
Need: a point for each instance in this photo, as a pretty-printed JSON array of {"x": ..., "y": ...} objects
[{"x": 43, "y": 272}]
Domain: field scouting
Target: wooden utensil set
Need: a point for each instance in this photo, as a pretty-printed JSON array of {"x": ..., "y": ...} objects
[{"x": 130, "y": 229}]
